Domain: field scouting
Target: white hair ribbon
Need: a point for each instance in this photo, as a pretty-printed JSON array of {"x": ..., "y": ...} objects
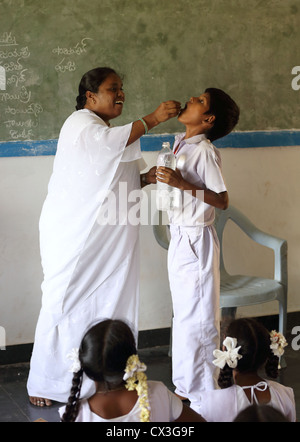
[
  {"x": 74, "y": 357},
  {"x": 230, "y": 356}
]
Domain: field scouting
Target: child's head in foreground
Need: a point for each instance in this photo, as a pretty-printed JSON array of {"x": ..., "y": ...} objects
[
  {"x": 255, "y": 350},
  {"x": 103, "y": 355}
]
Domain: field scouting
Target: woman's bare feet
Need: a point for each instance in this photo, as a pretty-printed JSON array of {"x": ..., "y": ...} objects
[{"x": 40, "y": 402}]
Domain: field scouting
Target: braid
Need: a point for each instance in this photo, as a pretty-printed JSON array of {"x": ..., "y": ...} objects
[
  {"x": 225, "y": 379},
  {"x": 81, "y": 101},
  {"x": 73, "y": 404}
]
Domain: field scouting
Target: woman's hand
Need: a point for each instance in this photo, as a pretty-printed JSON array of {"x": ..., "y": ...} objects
[
  {"x": 166, "y": 110},
  {"x": 151, "y": 175}
]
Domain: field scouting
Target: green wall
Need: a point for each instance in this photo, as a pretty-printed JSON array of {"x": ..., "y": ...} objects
[{"x": 165, "y": 49}]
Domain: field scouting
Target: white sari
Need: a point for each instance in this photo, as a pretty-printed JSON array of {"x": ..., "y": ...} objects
[{"x": 91, "y": 269}]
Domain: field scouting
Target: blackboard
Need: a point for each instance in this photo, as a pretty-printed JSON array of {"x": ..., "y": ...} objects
[{"x": 164, "y": 49}]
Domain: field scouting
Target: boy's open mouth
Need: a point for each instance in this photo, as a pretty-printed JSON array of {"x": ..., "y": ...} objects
[{"x": 183, "y": 109}]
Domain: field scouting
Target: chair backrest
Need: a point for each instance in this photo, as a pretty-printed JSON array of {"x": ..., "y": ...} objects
[
  {"x": 161, "y": 230},
  {"x": 279, "y": 245},
  {"x": 221, "y": 218}
]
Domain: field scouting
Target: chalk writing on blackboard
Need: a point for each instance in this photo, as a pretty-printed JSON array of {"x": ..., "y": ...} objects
[
  {"x": 23, "y": 96},
  {"x": 68, "y": 63},
  {"x": 20, "y": 115},
  {"x": 65, "y": 66},
  {"x": 7, "y": 39}
]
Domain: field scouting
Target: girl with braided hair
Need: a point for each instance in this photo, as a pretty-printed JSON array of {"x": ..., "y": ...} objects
[
  {"x": 108, "y": 356},
  {"x": 248, "y": 347}
]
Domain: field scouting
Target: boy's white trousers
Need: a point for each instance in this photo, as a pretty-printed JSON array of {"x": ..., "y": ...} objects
[{"x": 194, "y": 274}]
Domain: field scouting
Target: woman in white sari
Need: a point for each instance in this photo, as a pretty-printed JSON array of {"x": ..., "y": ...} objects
[{"x": 89, "y": 249}]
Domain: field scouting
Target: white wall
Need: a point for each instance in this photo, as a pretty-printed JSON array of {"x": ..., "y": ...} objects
[{"x": 263, "y": 183}]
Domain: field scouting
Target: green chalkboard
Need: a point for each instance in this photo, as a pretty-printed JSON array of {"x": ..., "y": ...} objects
[{"x": 164, "y": 49}]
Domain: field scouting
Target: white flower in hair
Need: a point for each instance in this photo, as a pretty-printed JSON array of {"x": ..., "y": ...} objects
[
  {"x": 278, "y": 343},
  {"x": 136, "y": 379},
  {"x": 230, "y": 356},
  {"x": 135, "y": 366},
  {"x": 74, "y": 357}
]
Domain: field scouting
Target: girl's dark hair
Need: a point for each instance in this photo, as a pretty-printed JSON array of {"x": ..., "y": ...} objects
[
  {"x": 226, "y": 113},
  {"x": 91, "y": 82},
  {"x": 103, "y": 355},
  {"x": 260, "y": 413},
  {"x": 255, "y": 342}
]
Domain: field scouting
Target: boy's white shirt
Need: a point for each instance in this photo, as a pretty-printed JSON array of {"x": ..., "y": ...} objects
[{"x": 199, "y": 162}]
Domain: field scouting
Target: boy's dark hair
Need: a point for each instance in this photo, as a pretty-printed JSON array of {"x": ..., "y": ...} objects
[
  {"x": 226, "y": 113},
  {"x": 255, "y": 342}
]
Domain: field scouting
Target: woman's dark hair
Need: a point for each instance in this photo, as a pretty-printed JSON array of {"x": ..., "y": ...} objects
[
  {"x": 103, "y": 355},
  {"x": 255, "y": 342},
  {"x": 91, "y": 82},
  {"x": 226, "y": 113}
]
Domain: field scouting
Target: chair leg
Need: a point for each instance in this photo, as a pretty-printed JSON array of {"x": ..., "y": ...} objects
[
  {"x": 282, "y": 326},
  {"x": 282, "y": 317},
  {"x": 229, "y": 312}
]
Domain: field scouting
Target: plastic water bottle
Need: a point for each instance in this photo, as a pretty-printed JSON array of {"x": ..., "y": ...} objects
[{"x": 165, "y": 194}]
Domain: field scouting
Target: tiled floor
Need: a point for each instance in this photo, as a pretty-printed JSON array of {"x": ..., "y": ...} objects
[{"x": 15, "y": 407}]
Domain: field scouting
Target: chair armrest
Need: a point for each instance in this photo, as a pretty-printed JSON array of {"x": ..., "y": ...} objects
[{"x": 279, "y": 245}]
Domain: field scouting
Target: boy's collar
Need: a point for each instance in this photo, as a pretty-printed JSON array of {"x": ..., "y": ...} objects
[
  {"x": 192, "y": 140},
  {"x": 196, "y": 139}
]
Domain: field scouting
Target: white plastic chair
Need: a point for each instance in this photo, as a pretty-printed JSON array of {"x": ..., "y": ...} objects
[{"x": 242, "y": 290}]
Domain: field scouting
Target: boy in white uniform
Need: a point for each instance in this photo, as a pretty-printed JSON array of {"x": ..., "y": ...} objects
[{"x": 193, "y": 258}]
